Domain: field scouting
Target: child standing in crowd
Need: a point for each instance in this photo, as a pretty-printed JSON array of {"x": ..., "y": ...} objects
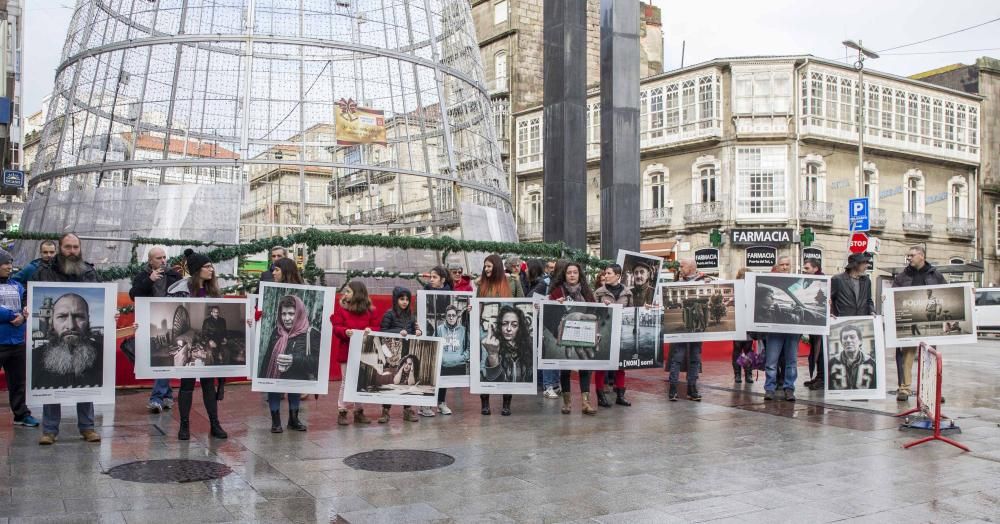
[
  {"x": 401, "y": 320},
  {"x": 355, "y": 312}
]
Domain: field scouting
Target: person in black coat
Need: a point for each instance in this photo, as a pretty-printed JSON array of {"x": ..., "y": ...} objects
[
  {"x": 851, "y": 291},
  {"x": 918, "y": 272},
  {"x": 153, "y": 280}
]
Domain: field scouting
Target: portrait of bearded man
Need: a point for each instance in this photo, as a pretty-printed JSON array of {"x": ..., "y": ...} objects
[{"x": 72, "y": 355}]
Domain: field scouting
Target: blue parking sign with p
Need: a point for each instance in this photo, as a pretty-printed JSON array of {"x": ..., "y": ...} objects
[{"x": 858, "y": 214}]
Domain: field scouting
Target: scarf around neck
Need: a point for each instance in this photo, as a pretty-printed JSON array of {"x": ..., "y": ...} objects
[{"x": 299, "y": 326}]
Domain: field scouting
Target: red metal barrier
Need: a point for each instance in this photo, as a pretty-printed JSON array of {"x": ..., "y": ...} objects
[{"x": 934, "y": 410}]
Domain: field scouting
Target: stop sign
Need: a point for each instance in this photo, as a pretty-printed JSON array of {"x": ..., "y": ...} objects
[{"x": 859, "y": 243}]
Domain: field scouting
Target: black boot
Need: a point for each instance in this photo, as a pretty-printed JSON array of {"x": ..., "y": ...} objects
[
  {"x": 693, "y": 393},
  {"x": 602, "y": 399},
  {"x": 276, "y": 422},
  {"x": 209, "y": 395},
  {"x": 749, "y": 375},
  {"x": 294, "y": 422},
  {"x": 184, "y": 412},
  {"x": 738, "y": 378},
  {"x": 620, "y": 397},
  {"x": 673, "y": 393},
  {"x": 484, "y": 400},
  {"x": 506, "y": 406}
]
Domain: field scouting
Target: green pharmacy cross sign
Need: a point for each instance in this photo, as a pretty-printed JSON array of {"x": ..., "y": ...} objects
[
  {"x": 715, "y": 238},
  {"x": 807, "y": 236}
]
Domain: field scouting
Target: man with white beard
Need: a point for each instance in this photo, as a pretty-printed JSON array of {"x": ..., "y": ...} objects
[{"x": 73, "y": 330}]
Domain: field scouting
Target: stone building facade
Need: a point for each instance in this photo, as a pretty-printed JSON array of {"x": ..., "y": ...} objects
[{"x": 758, "y": 151}]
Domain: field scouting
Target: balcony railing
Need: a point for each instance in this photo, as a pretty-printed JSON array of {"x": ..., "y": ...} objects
[
  {"x": 961, "y": 228},
  {"x": 704, "y": 213},
  {"x": 656, "y": 217},
  {"x": 877, "y": 218},
  {"x": 379, "y": 215},
  {"x": 528, "y": 230},
  {"x": 917, "y": 223},
  {"x": 816, "y": 212}
]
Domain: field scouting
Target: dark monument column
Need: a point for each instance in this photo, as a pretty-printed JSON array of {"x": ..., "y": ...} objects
[
  {"x": 565, "y": 116},
  {"x": 620, "y": 184}
]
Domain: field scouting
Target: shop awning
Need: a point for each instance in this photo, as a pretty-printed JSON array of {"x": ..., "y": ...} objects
[{"x": 659, "y": 249}]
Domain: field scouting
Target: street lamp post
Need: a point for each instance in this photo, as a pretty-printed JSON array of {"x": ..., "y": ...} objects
[{"x": 863, "y": 52}]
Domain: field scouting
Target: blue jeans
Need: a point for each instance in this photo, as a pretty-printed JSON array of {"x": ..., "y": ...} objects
[
  {"x": 550, "y": 378},
  {"x": 783, "y": 348},
  {"x": 52, "y": 414},
  {"x": 274, "y": 400},
  {"x": 161, "y": 391},
  {"x": 690, "y": 350}
]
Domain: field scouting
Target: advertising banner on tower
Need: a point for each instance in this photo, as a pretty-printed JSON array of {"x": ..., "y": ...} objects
[{"x": 358, "y": 125}]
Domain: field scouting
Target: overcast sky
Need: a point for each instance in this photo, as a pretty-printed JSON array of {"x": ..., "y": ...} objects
[{"x": 711, "y": 29}]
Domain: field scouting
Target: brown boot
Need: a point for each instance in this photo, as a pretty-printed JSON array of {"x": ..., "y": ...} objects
[
  {"x": 342, "y": 417},
  {"x": 384, "y": 417},
  {"x": 567, "y": 406},
  {"x": 360, "y": 418},
  {"x": 587, "y": 408},
  {"x": 409, "y": 415}
]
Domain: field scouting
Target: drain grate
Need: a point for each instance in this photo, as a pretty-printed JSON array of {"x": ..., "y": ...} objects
[
  {"x": 399, "y": 460},
  {"x": 169, "y": 471}
]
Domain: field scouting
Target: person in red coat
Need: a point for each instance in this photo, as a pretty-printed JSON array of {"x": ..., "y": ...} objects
[{"x": 354, "y": 312}]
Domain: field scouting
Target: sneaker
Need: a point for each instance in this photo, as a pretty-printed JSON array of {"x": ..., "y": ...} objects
[
  {"x": 768, "y": 395},
  {"x": 154, "y": 407},
  {"x": 90, "y": 435},
  {"x": 47, "y": 439},
  {"x": 673, "y": 393},
  {"x": 168, "y": 403},
  {"x": 28, "y": 421},
  {"x": 693, "y": 394},
  {"x": 426, "y": 412},
  {"x": 789, "y": 395},
  {"x": 550, "y": 392},
  {"x": 444, "y": 409}
]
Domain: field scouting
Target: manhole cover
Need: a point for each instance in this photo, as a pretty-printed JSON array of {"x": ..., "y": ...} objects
[
  {"x": 399, "y": 460},
  {"x": 169, "y": 471}
]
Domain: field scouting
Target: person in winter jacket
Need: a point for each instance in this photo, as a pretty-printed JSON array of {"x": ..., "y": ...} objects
[
  {"x": 438, "y": 279},
  {"x": 154, "y": 278},
  {"x": 401, "y": 320},
  {"x": 459, "y": 281},
  {"x": 690, "y": 350},
  {"x": 514, "y": 274},
  {"x": 612, "y": 291},
  {"x": 571, "y": 285},
  {"x": 47, "y": 251},
  {"x": 13, "y": 316},
  {"x": 293, "y": 349},
  {"x": 354, "y": 312},
  {"x": 918, "y": 272},
  {"x": 493, "y": 283},
  {"x": 67, "y": 266},
  {"x": 202, "y": 282},
  {"x": 816, "y": 364}
]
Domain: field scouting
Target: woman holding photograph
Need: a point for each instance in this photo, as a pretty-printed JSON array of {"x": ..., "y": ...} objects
[
  {"x": 612, "y": 291},
  {"x": 293, "y": 351},
  {"x": 202, "y": 282},
  {"x": 354, "y": 312},
  {"x": 493, "y": 283},
  {"x": 438, "y": 279},
  {"x": 570, "y": 285}
]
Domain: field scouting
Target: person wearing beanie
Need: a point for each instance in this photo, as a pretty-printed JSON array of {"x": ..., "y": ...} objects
[
  {"x": 400, "y": 319},
  {"x": 13, "y": 316},
  {"x": 201, "y": 282},
  {"x": 67, "y": 266}
]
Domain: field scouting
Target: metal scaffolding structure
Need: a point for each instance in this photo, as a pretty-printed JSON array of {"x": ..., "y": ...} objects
[{"x": 337, "y": 114}]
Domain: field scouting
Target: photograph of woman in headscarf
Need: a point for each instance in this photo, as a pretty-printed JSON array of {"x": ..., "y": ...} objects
[{"x": 293, "y": 348}]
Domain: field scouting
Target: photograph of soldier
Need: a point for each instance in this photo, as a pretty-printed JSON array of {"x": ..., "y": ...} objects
[
  {"x": 855, "y": 359},
  {"x": 67, "y": 338},
  {"x": 789, "y": 303},
  {"x": 696, "y": 311},
  {"x": 640, "y": 274}
]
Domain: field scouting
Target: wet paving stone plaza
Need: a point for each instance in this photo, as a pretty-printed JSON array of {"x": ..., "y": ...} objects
[{"x": 729, "y": 458}]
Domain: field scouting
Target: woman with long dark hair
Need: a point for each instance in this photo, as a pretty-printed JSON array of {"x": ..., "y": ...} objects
[
  {"x": 289, "y": 346},
  {"x": 438, "y": 279},
  {"x": 493, "y": 283},
  {"x": 355, "y": 312},
  {"x": 571, "y": 285},
  {"x": 507, "y": 354},
  {"x": 202, "y": 282}
]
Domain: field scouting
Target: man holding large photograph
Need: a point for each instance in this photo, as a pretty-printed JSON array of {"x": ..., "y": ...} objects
[
  {"x": 69, "y": 266},
  {"x": 918, "y": 272},
  {"x": 690, "y": 350},
  {"x": 779, "y": 348}
]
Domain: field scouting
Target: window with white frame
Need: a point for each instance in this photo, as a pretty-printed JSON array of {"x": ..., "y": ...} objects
[
  {"x": 499, "y": 11},
  {"x": 656, "y": 192},
  {"x": 533, "y": 206},
  {"x": 705, "y": 180},
  {"x": 763, "y": 92},
  {"x": 869, "y": 183},
  {"x": 683, "y": 106},
  {"x": 761, "y": 181},
  {"x": 958, "y": 197},
  {"x": 913, "y": 188},
  {"x": 814, "y": 178},
  {"x": 500, "y": 71},
  {"x": 529, "y": 141},
  {"x": 594, "y": 128},
  {"x": 444, "y": 197},
  {"x": 501, "y": 117}
]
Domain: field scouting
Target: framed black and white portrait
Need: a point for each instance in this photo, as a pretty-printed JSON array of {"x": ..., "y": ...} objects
[
  {"x": 640, "y": 274},
  {"x": 938, "y": 315},
  {"x": 446, "y": 315},
  {"x": 504, "y": 346},
  {"x": 855, "y": 359},
  {"x": 788, "y": 303},
  {"x": 579, "y": 335},
  {"x": 703, "y": 311},
  {"x": 386, "y": 368}
]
